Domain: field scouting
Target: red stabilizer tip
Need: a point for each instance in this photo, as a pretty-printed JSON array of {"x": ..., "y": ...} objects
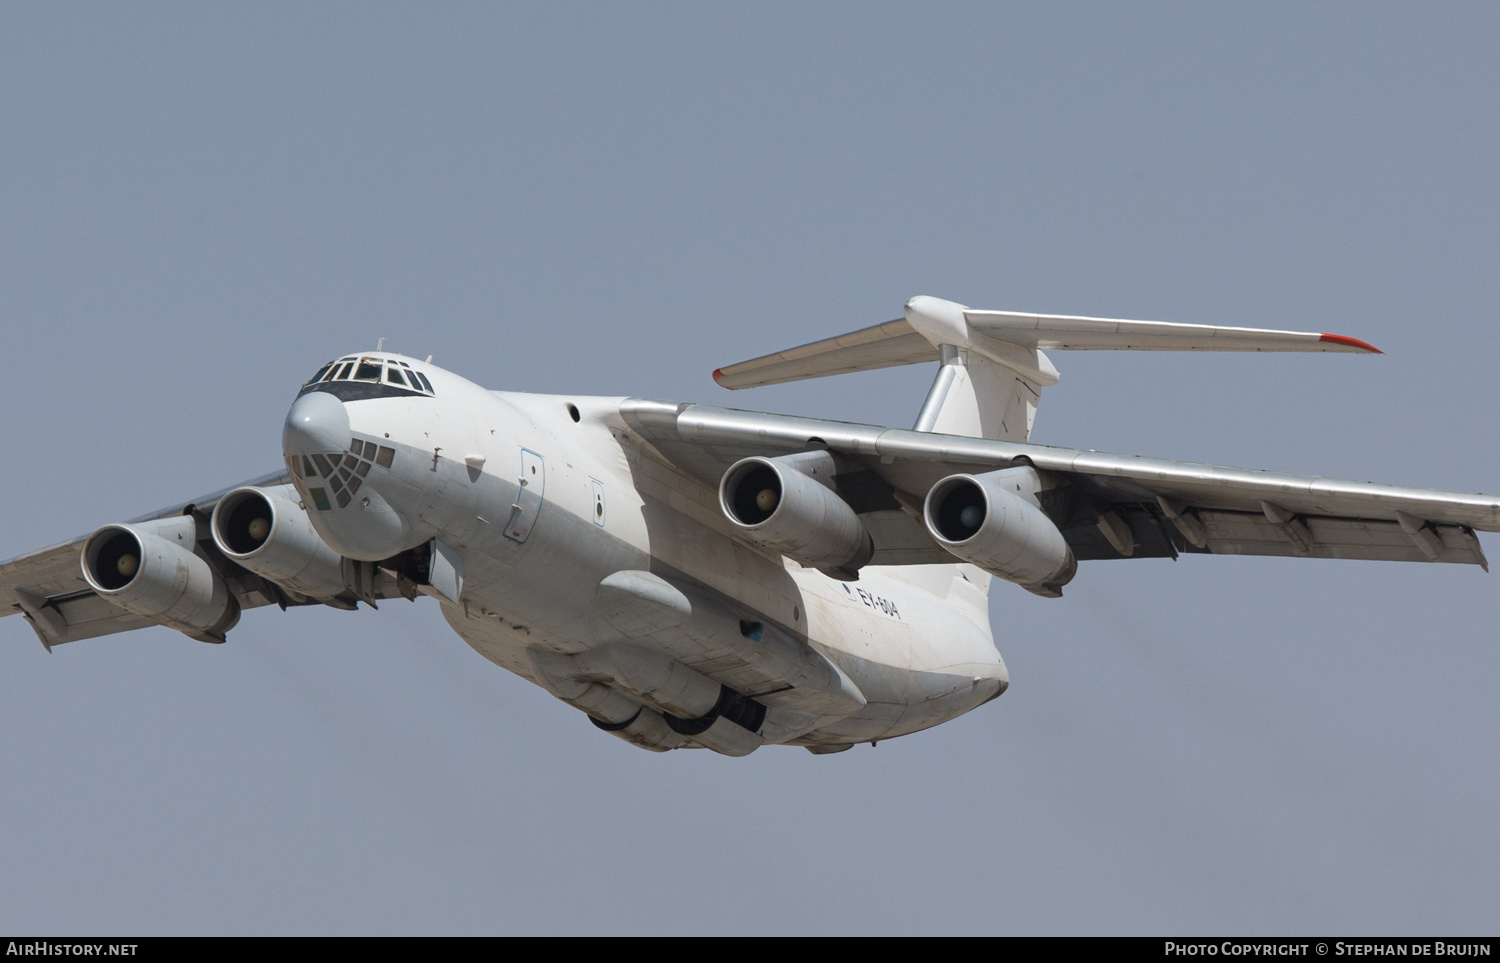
[
  {"x": 1334, "y": 339},
  {"x": 718, "y": 373}
]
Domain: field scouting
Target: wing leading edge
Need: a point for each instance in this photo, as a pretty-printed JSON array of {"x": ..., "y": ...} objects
[{"x": 1107, "y": 506}]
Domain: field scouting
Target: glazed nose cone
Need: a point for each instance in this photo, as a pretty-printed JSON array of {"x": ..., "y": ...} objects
[{"x": 316, "y": 423}]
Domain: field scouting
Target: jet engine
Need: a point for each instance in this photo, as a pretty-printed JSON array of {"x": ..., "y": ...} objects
[
  {"x": 150, "y": 569},
  {"x": 788, "y": 504},
  {"x": 991, "y": 521},
  {"x": 266, "y": 531}
]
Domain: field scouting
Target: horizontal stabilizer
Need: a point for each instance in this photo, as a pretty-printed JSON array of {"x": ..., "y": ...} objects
[
  {"x": 1008, "y": 338},
  {"x": 1053, "y": 332},
  {"x": 882, "y": 346}
]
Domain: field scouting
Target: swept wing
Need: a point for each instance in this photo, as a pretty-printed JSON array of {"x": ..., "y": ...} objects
[
  {"x": 1107, "y": 506},
  {"x": 49, "y": 589}
]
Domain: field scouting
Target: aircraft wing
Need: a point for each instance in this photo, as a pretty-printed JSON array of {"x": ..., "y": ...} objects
[
  {"x": 1107, "y": 506},
  {"x": 48, "y": 589}
]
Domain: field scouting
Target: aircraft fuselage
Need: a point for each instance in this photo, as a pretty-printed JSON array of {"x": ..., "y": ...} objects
[{"x": 567, "y": 553}]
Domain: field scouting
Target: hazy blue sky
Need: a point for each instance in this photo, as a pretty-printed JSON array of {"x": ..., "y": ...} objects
[{"x": 199, "y": 205}]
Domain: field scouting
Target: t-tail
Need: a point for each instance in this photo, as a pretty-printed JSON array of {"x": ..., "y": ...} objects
[{"x": 992, "y": 366}]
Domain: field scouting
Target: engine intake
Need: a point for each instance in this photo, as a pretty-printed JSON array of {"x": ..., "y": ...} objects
[
  {"x": 991, "y": 521},
  {"x": 788, "y": 504},
  {"x": 266, "y": 531},
  {"x": 150, "y": 569}
]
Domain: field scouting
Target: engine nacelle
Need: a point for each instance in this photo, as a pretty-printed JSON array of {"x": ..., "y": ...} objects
[
  {"x": 150, "y": 569},
  {"x": 788, "y": 505},
  {"x": 266, "y": 531},
  {"x": 987, "y": 520}
]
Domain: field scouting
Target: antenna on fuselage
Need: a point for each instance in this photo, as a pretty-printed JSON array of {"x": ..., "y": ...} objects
[
  {"x": 380, "y": 345},
  {"x": 429, "y": 359}
]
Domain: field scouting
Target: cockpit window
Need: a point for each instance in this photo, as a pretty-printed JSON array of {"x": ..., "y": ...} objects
[{"x": 376, "y": 370}]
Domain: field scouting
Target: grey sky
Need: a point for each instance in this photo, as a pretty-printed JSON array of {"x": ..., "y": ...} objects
[{"x": 199, "y": 206}]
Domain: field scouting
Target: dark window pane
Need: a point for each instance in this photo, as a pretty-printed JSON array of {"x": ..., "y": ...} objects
[
  {"x": 320, "y": 499},
  {"x": 335, "y": 484},
  {"x": 356, "y": 446},
  {"x": 351, "y": 460},
  {"x": 425, "y": 383},
  {"x": 369, "y": 450},
  {"x": 368, "y": 371},
  {"x": 343, "y": 498},
  {"x": 384, "y": 456},
  {"x": 319, "y": 376},
  {"x": 307, "y": 468},
  {"x": 354, "y": 484},
  {"x": 324, "y": 468},
  {"x": 363, "y": 469},
  {"x": 343, "y": 371},
  {"x": 393, "y": 375}
]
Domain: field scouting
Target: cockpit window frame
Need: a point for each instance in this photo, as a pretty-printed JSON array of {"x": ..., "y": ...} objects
[
  {"x": 322, "y": 373},
  {"x": 392, "y": 373}
]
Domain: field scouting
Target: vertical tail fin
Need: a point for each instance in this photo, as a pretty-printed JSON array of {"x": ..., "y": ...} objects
[{"x": 973, "y": 396}]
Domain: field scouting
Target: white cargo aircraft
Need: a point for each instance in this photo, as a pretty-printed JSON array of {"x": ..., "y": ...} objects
[{"x": 688, "y": 575}]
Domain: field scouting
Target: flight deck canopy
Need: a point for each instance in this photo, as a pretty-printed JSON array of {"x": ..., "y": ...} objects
[{"x": 371, "y": 370}]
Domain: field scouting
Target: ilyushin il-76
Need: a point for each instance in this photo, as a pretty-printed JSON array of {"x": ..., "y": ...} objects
[{"x": 687, "y": 575}]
